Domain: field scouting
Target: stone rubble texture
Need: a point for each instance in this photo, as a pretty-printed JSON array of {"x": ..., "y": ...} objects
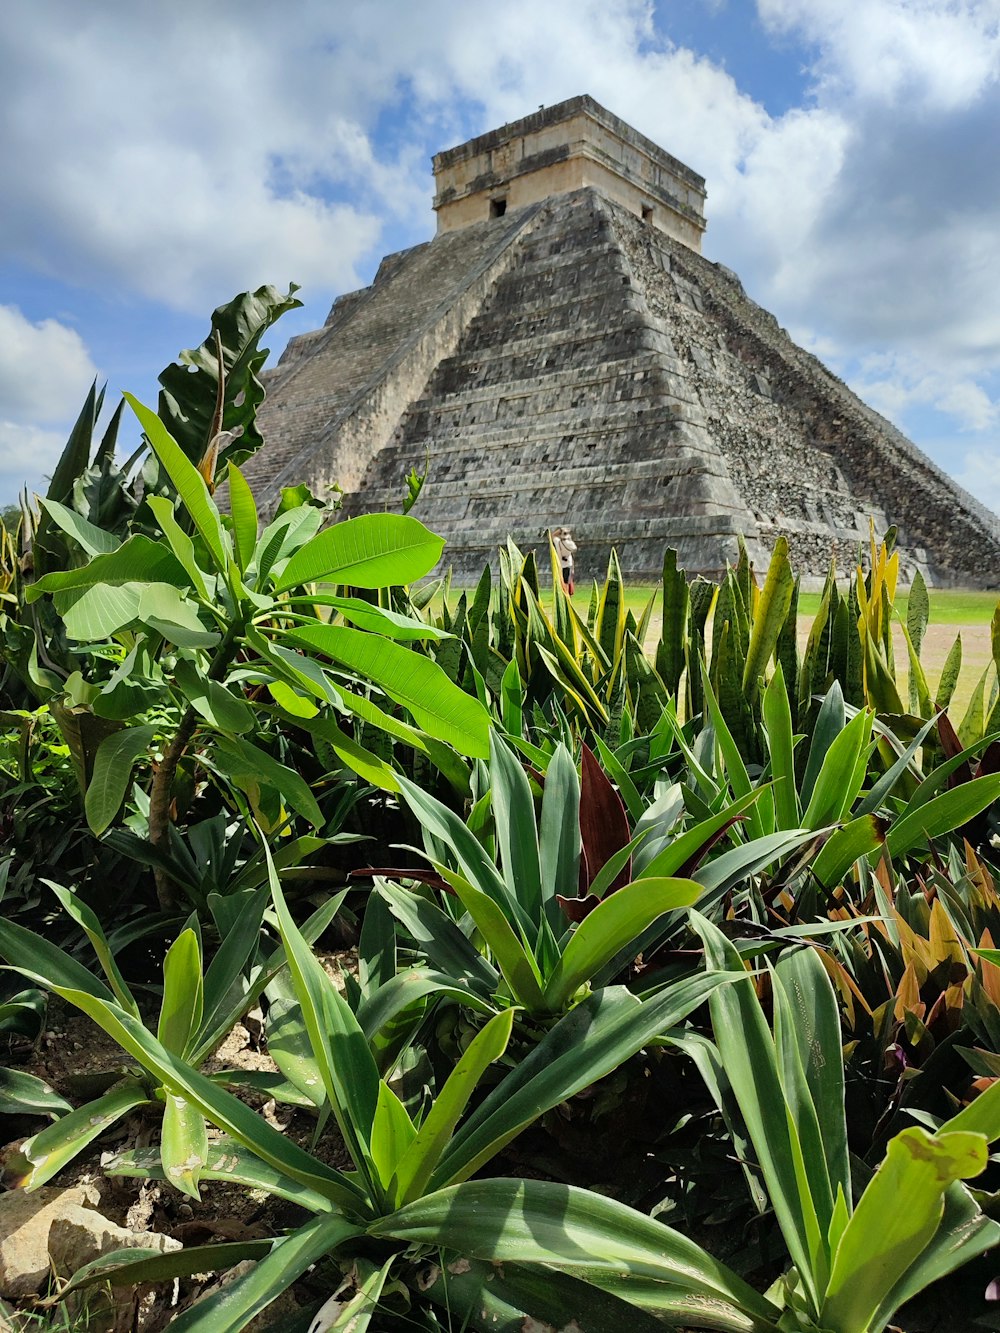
[{"x": 569, "y": 363}]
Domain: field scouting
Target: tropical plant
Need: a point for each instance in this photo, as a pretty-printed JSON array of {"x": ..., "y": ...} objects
[
  {"x": 199, "y": 1008},
  {"x": 398, "y": 1161}
]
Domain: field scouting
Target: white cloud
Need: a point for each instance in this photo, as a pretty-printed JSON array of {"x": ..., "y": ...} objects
[
  {"x": 45, "y": 368},
  {"x": 940, "y": 54},
  {"x": 979, "y": 473},
  {"x": 27, "y": 457}
]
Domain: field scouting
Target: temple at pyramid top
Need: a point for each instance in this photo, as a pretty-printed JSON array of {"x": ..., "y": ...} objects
[
  {"x": 561, "y": 353},
  {"x": 557, "y": 149}
]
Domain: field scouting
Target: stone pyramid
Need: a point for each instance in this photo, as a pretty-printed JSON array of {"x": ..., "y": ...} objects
[{"x": 561, "y": 353}]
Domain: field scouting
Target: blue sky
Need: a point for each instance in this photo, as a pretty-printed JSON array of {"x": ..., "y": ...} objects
[{"x": 157, "y": 159}]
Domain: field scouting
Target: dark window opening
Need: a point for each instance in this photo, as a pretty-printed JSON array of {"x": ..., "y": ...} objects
[
  {"x": 647, "y": 213},
  {"x": 498, "y": 207}
]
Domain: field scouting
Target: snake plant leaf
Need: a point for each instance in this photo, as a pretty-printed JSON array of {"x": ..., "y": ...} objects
[{"x": 371, "y": 551}]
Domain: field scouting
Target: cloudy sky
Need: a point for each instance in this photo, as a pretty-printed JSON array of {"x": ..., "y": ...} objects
[{"x": 156, "y": 159}]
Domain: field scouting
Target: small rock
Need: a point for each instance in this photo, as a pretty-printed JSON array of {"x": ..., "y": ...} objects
[{"x": 58, "y": 1229}]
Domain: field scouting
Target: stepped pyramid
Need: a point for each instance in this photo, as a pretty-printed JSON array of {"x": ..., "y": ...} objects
[{"x": 561, "y": 352}]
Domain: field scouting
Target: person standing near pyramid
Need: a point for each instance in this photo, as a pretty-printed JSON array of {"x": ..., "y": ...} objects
[{"x": 565, "y": 546}]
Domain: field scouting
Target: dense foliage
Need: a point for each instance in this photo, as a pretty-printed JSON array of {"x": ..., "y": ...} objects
[{"x": 620, "y": 914}]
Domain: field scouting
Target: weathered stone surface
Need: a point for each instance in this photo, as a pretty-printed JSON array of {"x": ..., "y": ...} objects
[
  {"x": 58, "y": 1230},
  {"x": 570, "y": 363}
]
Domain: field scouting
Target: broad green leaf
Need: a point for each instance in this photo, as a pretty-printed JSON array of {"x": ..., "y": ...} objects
[
  {"x": 244, "y": 762},
  {"x": 982, "y": 1115},
  {"x": 244, "y": 512},
  {"x": 183, "y": 994},
  {"x": 56, "y": 1146},
  {"x": 163, "y": 609},
  {"x": 392, "y": 1134},
  {"x": 187, "y": 481},
  {"x": 116, "y": 758},
  {"x": 537, "y": 1221},
  {"x": 421, "y": 1159},
  {"x": 942, "y": 814},
  {"x": 682, "y": 849},
  {"x": 232, "y": 1308},
  {"x": 895, "y": 1219},
  {"x": 180, "y": 543},
  {"x": 183, "y": 1144},
  {"x": 411, "y": 679},
  {"x": 216, "y": 704},
  {"x": 94, "y": 540},
  {"x": 377, "y": 619},
  {"x": 616, "y": 922},
  {"x": 559, "y": 830},
  {"x": 137, "y": 560},
  {"x": 96, "y": 613},
  {"x": 372, "y": 551},
  {"x": 289, "y": 1046}
]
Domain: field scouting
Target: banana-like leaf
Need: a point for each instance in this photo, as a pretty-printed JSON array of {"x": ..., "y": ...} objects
[
  {"x": 244, "y": 512},
  {"x": 561, "y": 1226},
  {"x": 216, "y": 704},
  {"x": 411, "y": 679},
  {"x": 137, "y": 560},
  {"x": 371, "y": 551},
  {"x": 113, "y": 767}
]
